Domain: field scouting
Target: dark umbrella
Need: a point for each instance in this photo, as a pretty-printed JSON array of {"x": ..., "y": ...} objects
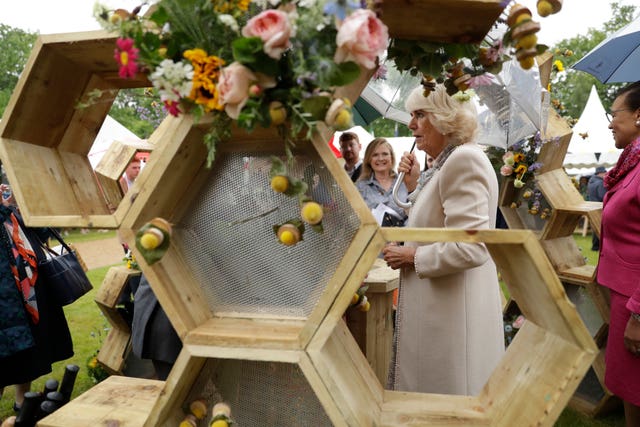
[{"x": 617, "y": 58}]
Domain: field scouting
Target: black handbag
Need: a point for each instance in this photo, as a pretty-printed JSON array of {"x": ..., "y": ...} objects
[{"x": 63, "y": 273}]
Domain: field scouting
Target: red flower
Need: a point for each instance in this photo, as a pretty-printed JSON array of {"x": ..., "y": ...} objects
[{"x": 125, "y": 54}]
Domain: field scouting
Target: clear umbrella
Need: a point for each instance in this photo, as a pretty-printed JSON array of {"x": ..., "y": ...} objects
[
  {"x": 617, "y": 58},
  {"x": 511, "y": 108}
]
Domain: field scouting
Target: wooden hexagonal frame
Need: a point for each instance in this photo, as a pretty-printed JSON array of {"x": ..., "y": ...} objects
[
  {"x": 535, "y": 379},
  {"x": 45, "y": 138},
  {"x": 161, "y": 193}
]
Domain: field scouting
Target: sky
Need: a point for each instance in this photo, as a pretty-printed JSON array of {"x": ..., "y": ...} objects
[{"x": 47, "y": 16}]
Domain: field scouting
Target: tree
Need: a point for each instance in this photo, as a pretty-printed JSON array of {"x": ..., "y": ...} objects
[
  {"x": 570, "y": 89},
  {"x": 15, "y": 45}
]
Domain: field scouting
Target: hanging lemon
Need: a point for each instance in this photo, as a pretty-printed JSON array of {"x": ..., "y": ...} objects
[
  {"x": 288, "y": 234},
  {"x": 152, "y": 238},
  {"x": 311, "y": 213},
  {"x": 279, "y": 183}
]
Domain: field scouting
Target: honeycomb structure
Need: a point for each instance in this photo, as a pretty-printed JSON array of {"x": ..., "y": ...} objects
[{"x": 243, "y": 303}]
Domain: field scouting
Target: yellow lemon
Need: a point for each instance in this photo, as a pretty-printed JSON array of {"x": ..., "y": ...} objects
[
  {"x": 280, "y": 183},
  {"x": 527, "y": 63},
  {"x": 220, "y": 423},
  {"x": 288, "y": 234},
  {"x": 311, "y": 213},
  {"x": 198, "y": 408},
  {"x": 288, "y": 238},
  {"x": 151, "y": 239},
  {"x": 343, "y": 120},
  {"x": 277, "y": 112},
  {"x": 527, "y": 42},
  {"x": 355, "y": 299},
  {"x": 522, "y": 17},
  {"x": 365, "y": 307},
  {"x": 544, "y": 8}
]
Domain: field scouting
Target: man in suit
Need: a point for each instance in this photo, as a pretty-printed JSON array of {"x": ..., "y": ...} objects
[{"x": 350, "y": 149}]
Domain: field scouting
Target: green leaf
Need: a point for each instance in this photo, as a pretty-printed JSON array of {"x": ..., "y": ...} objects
[
  {"x": 316, "y": 106},
  {"x": 246, "y": 48},
  {"x": 342, "y": 74},
  {"x": 151, "y": 256},
  {"x": 277, "y": 167}
]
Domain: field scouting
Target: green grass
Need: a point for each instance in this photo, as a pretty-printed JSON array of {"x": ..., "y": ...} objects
[{"x": 89, "y": 327}]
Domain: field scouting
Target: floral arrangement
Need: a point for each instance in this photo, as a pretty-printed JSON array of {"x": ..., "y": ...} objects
[
  {"x": 463, "y": 66},
  {"x": 252, "y": 62},
  {"x": 519, "y": 164}
]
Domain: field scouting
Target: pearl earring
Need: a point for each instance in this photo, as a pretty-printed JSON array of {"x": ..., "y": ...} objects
[{"x": 638, "y": 123}]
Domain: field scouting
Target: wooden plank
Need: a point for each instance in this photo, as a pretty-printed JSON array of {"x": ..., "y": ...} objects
[
  {"x": 450, "y": 21},
  {"x": 114, "y": 350},
  {"x": 116, "y": 401},
  {"x": 118, "y": 156},
  {"x": 558, "y": 189},
  {"x": 552, "y": 153},
  {"x": 348, "y": 377},
  {"x": 579, "y": 275},
  {"x": 534, "y": 389},
  {"x": 563, "y": 253},
  {"x": 167, "y": 410},
  {"x": 233, "y": 332},
  {"x": 113, "y": 283},
  {"x": 421, "y": 409}
]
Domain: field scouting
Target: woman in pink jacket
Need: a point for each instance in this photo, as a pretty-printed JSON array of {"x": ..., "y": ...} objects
[{"x": 619, "y": 263}]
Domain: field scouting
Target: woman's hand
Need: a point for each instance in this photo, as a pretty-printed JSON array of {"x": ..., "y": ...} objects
[
  {"x": 411, "y": 167},
  {"x": 632, "y": 336},
  {"x": 398, "y": 256}
]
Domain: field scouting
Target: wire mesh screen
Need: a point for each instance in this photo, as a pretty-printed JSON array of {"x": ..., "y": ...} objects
[
  {"x": 259, "y": 393},
  {"x": 229, "y": 244}
]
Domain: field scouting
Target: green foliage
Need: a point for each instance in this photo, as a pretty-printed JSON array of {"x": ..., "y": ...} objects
[
  {"x": 15, "y": 45},
  {"x": 572, "y": 87},
  {"x": 139, "y": 110}
]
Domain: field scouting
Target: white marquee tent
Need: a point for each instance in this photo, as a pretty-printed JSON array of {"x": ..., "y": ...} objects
[
  {"x": 110, "y": 131},
  {"x": 592, "y": 143}
]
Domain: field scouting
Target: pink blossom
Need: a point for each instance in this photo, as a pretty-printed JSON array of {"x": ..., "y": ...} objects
[
  {"x": 234, "y": 87},
  {"x": 506, "y": 170},
  {"x": 273, "y": 27},
  {"x": 519, "y": 322},
  {"x": 508, "y": 159},
  {"x": 172, "y": 107},
  {"x": 362, "y": 37},
  {"x": 125, "y": 54}
]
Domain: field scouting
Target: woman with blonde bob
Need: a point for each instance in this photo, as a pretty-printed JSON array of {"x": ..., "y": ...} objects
[
  {"x": 449, "y": 330},
  {"x": 378, "y": 177}
]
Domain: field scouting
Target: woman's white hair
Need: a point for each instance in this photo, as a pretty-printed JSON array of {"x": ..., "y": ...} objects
[{"x": 456, "y": 118}]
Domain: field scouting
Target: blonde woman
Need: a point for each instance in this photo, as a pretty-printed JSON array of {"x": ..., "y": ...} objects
[
  {"x": 377, "y": 179},
  {"x": 449, "y": 330}
]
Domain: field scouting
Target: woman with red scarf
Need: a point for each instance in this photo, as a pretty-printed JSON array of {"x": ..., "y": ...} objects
[{"x": 619, "y": 262}]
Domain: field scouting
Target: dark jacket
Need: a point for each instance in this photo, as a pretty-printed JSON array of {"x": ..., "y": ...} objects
[{"x": 595, "y": 189}]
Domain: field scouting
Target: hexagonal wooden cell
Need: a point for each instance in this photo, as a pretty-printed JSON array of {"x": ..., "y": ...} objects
[
  {"x": 533, "y": 382},
  {"x": 45, "y": 137},
  {"x": 262, "y": 387},
  {"x": 226, "y": 278}
]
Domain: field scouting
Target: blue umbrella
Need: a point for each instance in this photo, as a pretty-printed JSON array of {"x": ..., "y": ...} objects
[{"x": 617, "y": 58}]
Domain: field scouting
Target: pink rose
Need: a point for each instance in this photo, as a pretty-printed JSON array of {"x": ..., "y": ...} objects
[
  {"x": 234, "y": 84},
  {"x": 506, "y": 170},
  {"x": 362, "y": 37},
  {"x": 273, "y": 27}
]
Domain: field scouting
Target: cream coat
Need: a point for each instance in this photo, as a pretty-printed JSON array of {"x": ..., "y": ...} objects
[{"x": 449, "y": 324}]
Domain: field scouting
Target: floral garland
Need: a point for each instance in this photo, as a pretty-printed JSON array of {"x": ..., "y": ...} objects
[
  {"x": 460, "y": 66},
  {"x": 255, "y": 62},
  {"x": 520, "y": 163}
]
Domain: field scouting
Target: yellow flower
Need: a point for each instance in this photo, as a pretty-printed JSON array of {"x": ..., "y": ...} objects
[
  {"x": 520, "y": 170},
  {"x": 518, "y": 157},
  {"x": 206, "y": 72},
  {"x": 558, "y": 65},
  {"x": 93, "y": 363}
]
